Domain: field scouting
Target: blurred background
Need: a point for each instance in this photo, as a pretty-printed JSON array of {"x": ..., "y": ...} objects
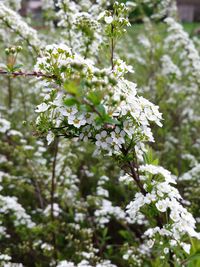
[{"x": 189, "y": 10}]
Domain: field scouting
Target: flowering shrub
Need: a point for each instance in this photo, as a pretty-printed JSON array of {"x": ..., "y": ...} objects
[{"x": 80, "y": 183}]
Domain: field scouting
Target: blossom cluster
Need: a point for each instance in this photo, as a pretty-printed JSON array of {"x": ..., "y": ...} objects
[
  {"x": 106, "y": 210},
  {"x": 179, "y": 39},
  {"x": 85, "y": 263},
  {"x": 84, "y": 31},
  {"x": 166, "y": 199},
  {"x": 10, "y": 205},
  {"x": 14, "y": 21},
  {"x": 116, "y": 20},
  {"x": 14, "y": 4},
  {"x": 85, "y": 109},
  {"x": 169, "y": 68}
]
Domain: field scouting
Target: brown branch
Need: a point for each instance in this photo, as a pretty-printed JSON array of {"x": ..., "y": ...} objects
[
  {"x": 26, "y": 74},
  {"x": 53, "y": 177},
  {"x": 134, "y": 173},
  {"x": 35, "y": 183},
  {"x": 53, "y": 189},
  {"x": 10, "y": 95},
  {"x": 136, "y": 177},
  {"x": 112, "y": 49}
]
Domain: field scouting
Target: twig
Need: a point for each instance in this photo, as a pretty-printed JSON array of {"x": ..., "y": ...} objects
[
  {"x": 26, "y": 74},
  {"x": 112, "y": 49},
  {"x": 9, "y": 92},
  {"x": 53, "y": 189}
]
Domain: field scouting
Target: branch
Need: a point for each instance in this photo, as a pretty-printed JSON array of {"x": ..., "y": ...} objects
[
  {"x": 53, "y": 189},
  {"x": 26, "y": 74},
  {"x": 53, "y": 177},
  {"x": 112, "y": 49}
]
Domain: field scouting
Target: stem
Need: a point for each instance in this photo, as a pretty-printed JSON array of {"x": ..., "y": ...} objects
[
  {"x": 112, "y": 48},
  {"x": 35, "y": 183},
  {"x": 136, "y": 178},
  {"x": 26, "y": 74},
  {"x": 134, "y": 173},
  {"x": 9, "y": 93},
  {"x": 53, "y": 177},
  {"x": 170, "y": 261},
  {"x": 24, "y": 103},
  {"x": 53, "y": 189}
]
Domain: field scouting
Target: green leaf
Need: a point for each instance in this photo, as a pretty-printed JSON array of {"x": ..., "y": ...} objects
[
  {"x": 112, "y": 121},
  {"x": 70, "y": 101},
  {"x": 72, "y": 88},
  {"x": 17, "y": 67},
  {"x": 95, "y": 97},
  {"x": 100, "y": 108},
  {"x": 150, "y": 158}
]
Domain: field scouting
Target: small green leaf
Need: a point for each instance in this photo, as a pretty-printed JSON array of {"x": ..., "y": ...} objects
[
  {"x": 17, "y": 67},
  {"x": 95, "y": 97},
  {"x": 72, "y": 88},
  {"x": 100, "y": 108},
  {"x": 70, "y": 101},
  {"x": 112, "y": 121}
]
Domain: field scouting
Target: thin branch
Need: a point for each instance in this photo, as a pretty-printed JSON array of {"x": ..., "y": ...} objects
[
  {"x": 53, "y": 189},
  {"x": 10, "y": 95},
  {"x": 26, "y": 74},
  {"x": 35, "y": 183},
  {"x": 112, "y": 49},
  {"x": 53, "y": 177}
]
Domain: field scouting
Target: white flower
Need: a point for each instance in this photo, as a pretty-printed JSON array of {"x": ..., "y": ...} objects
[
  {"x": 166, "y": 250},
  {"x": 173, "y": 243},
  {"x": 186, "y": 247},
  {"x": 118, "y": 136},
  {"x": 56, "y": 210},
  {"x": 5, "y": 257},
  {"x": 46, "y": 246},
  {"x": 150, "y": 243},
  {"x": 103, "y": 140},
  {"x": 4, "y": 125},
  {"x": 50, "y": 137},
  {"x": 174, "y": 215},
  {"x": 161, "y": 205},
  {"x": 77, "y": 121},
  {"x": 42, "y": 107},
  {"x": 66, "y": 264},
  {"x": 108, "y": 19},
  {"x": 101, "y": 15},
  {"x": 127, "y": 179}
]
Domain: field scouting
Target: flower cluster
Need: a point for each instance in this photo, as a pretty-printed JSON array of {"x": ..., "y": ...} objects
[
  {"x": 14, "y": 4},
  {"x": 4, "y": 125},
  {"x": 14, "y": 21},
  {"x": 169, "y": 68},
  {"x": 85, "y": 263},
  {"x": 165, "y": 8},
  {"x": 10, "y": 205},
  {"x": 179, "y": 39},
  {"x": 165, "y": 199},
  {"x": 85, "y": 109},
  {"x": 47, "y": 4},
  {"x": 106, "y": 210},
  {"x": 116, "y": 20},
  {"x": 84, "y": 31}
]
